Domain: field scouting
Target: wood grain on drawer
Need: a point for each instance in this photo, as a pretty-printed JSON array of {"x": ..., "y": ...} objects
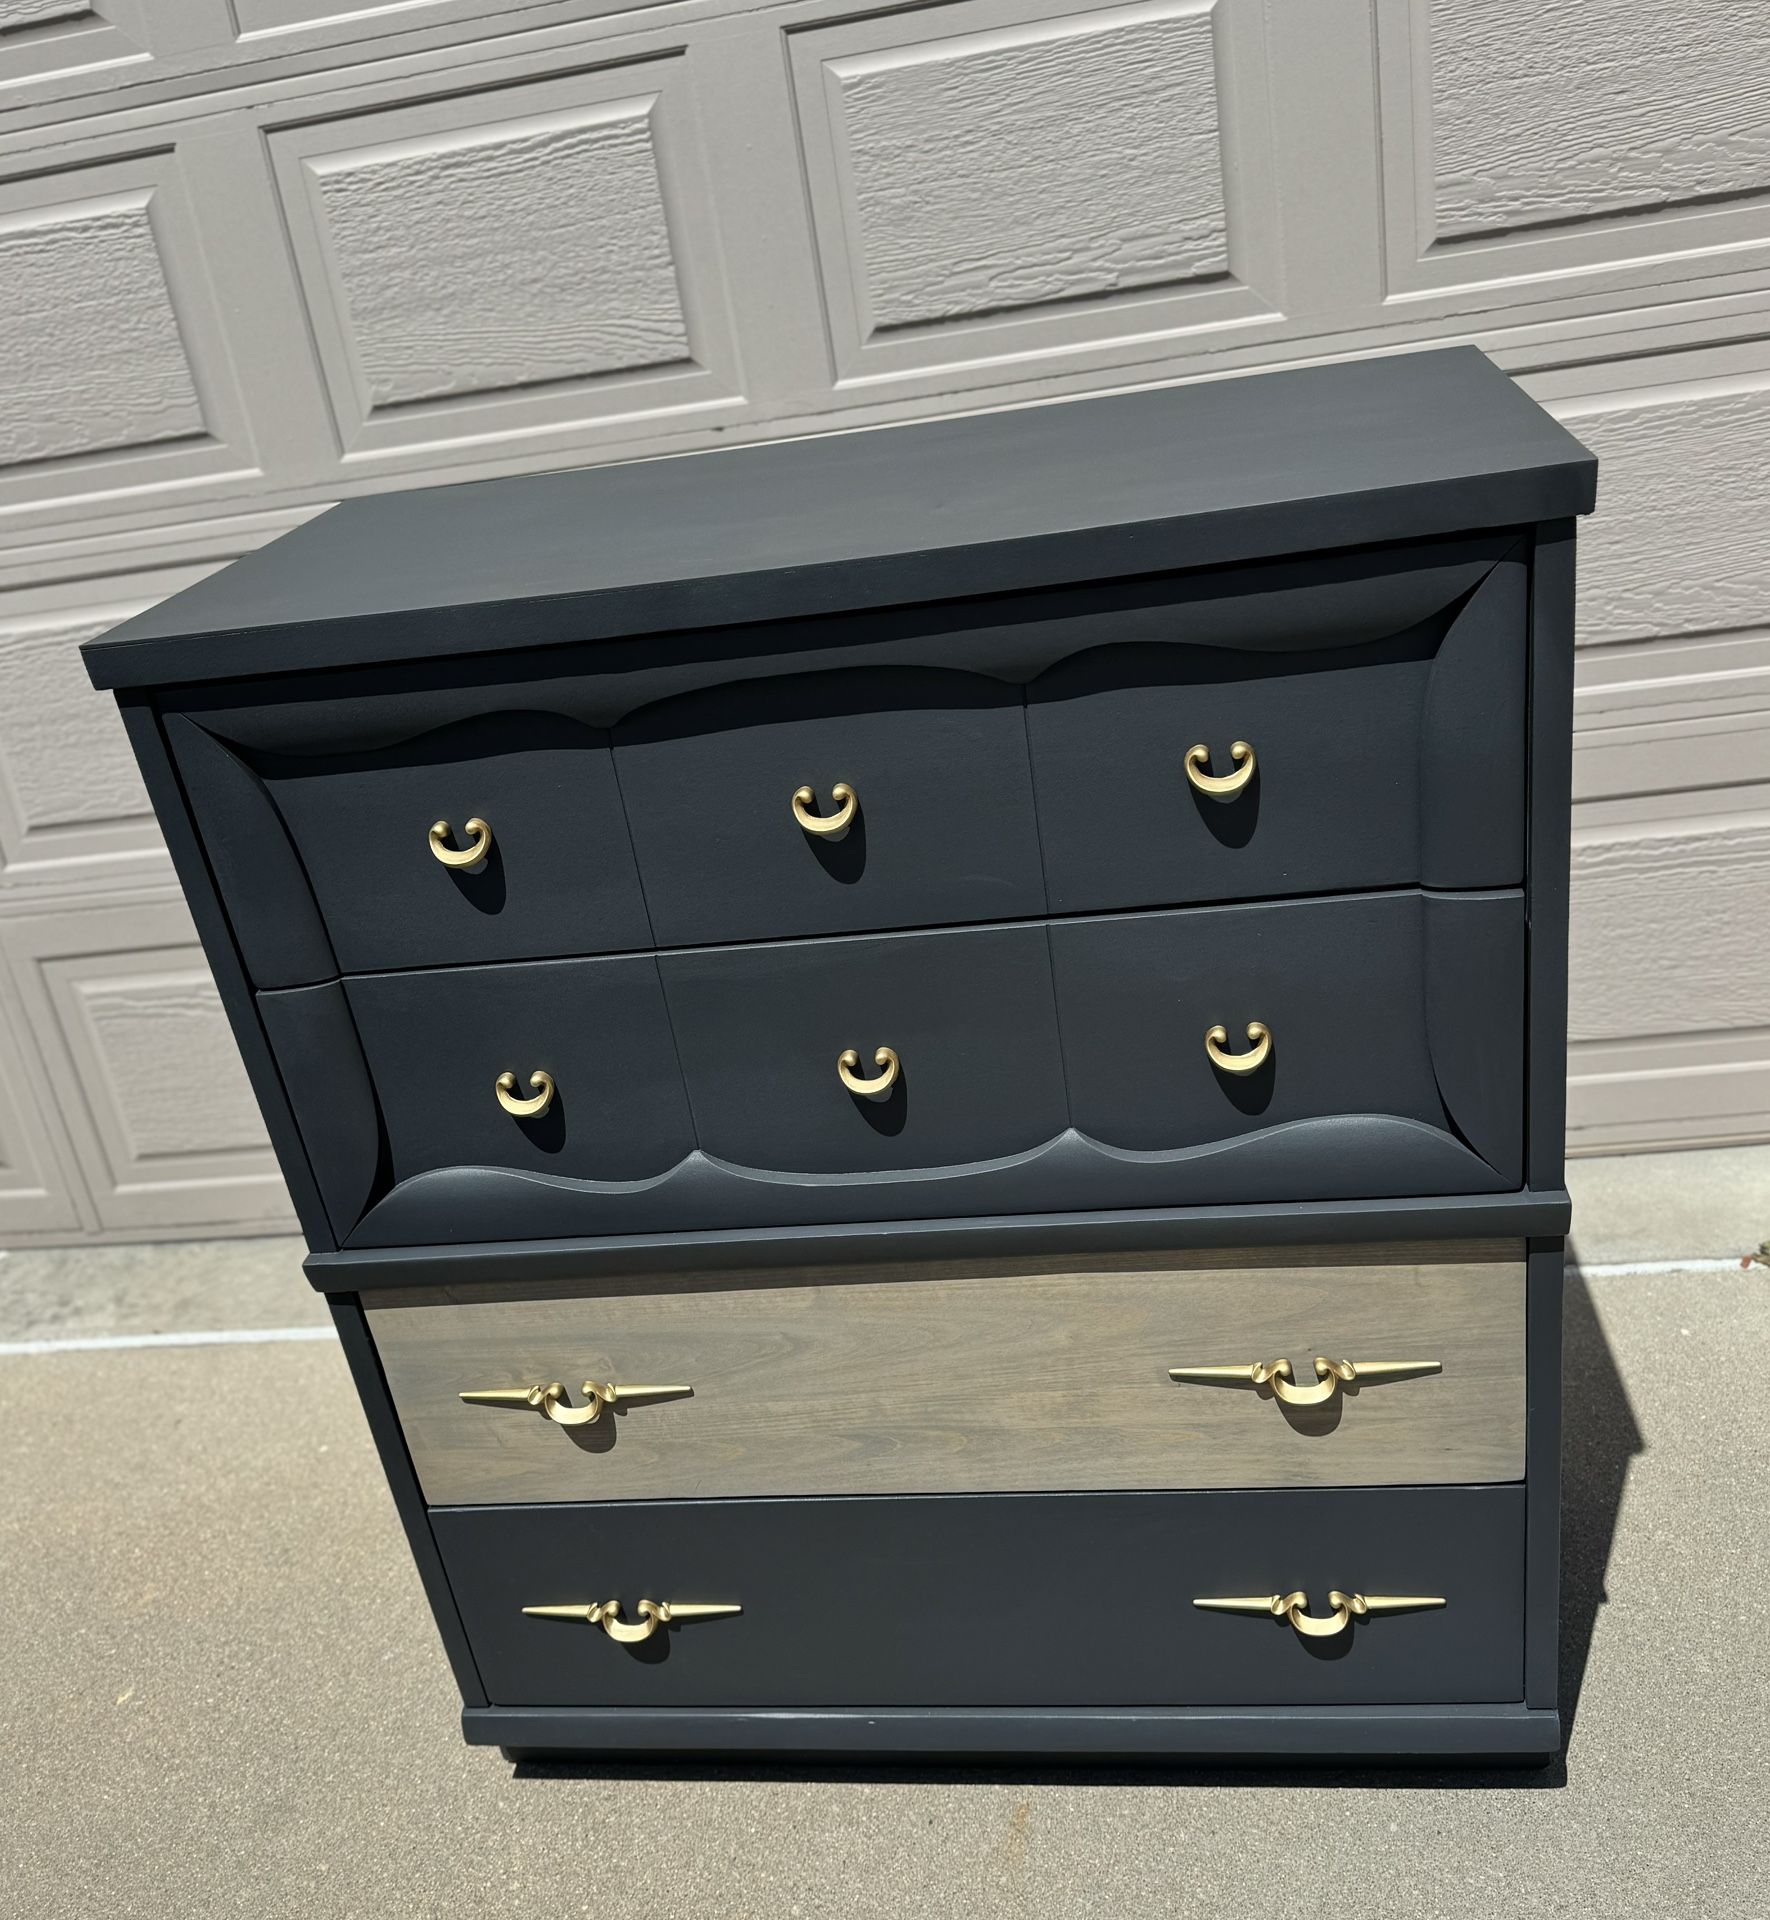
[{"x": 971, "y": 1376}]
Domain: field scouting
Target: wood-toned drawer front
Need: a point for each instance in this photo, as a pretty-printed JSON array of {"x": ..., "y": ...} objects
[
  {"x": 942, "y": 827},
  {"x": 977, "y": 1376},
  {"x": 1028, "y": 1599},
  {"x": 969, "y": 1016},
  {"x": 1407, "y": 1005},
  {"x": 1385, "y": 713},
  {"x": 325, "y": 854}
]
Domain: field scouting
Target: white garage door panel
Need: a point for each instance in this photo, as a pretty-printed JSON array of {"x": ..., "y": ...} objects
[
  {"x": 1546, "y": 115},
  {"x": 39, "y": 1195},
  {"x": 256, "y": 255},
  {"x": 131, "y": 1038}
]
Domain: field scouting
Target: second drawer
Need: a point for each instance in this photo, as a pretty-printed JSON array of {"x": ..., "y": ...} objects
[{"x": 974, "y": 1376}]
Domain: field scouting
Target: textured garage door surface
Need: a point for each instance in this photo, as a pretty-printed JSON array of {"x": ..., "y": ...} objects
[{"x": 259, "y": 254}]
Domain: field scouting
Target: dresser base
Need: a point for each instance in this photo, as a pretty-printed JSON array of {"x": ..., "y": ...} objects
[{"x": 1401, "y": 1736}]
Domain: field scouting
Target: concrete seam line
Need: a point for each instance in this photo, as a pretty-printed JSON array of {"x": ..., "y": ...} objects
[
  {"x": 127, "y": 1342},
  {"x": 1625, "y": 1269}
]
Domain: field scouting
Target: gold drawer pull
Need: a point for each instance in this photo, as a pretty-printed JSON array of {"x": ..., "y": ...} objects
[
  {"x": 1329, "y": 1374},
  {"x": 541, "y": 1081},
  {"x": 846, "y": 802},
  {"x": 1220, "y": 786},
  {"x": 1217, "y": 1038},
  {"x": 653, "y": 1614},
  {"x": 885, "y": 1057},
  {"x": 1347, "y": 1607},
  {"x": 551, "y": 1399},
  {"x": 478, "y": 834}
]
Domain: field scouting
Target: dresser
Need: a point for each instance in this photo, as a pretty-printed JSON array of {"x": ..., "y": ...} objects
[{"x": 924, "y": 1068}]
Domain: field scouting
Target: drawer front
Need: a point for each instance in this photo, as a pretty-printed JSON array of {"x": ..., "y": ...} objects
[
  {"x": 973, "y": 1377},
  {"x": 436, "y": 1044},
  {"x": 1407, "y": 1005},
  {"x": 1022, "y": 1599},
  {"x": 1379, "y": 757},
  {"x": 334, "y": 847},
  {"x": 969, "y": 1016},
  {"x": 1395, "y": 1067},
  {"x": 942, "y": 827}
]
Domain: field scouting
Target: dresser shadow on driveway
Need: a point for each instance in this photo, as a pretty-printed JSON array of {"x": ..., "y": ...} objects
[{"x": 1599, "y": 1437}]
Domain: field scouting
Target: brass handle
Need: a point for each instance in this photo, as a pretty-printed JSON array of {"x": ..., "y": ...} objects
[
  {"x": 1329, "y": 1375},
  {"x": 551, "y": 1399},
  {"x": 886, "y": 1057},
  {"x": 541, "y": 1081},
  {"x": 1347, "y": 1607},
  {"x": 652, "y": 1615},
  {"x": 478, "y": 834},
  {"x": 1217, "y": 1038},
  {"x": 846, "y": 801},
  {"x": 1220, "y": 786}
]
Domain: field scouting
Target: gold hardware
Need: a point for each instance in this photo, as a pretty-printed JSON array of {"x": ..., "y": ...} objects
[
  {"x": 846, "y": 802},
  {"x": 1347, "y": 1607},
  {"x": 526, "y": 1109},
  {"x": 1217, "y": 1038},
  {"x": 848, "y": 1060},
  {"x": 652, "y": 1615},
  {"x": 477, "y": 833},
  {"x": 1329, "y": 1375},
  {"x": 551, "y": 1399},
  {"x": 1220, "y": 786}
]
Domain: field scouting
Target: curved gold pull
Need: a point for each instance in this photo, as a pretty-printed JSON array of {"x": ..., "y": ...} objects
[
  {"x": 848, "y": 1060},
  {"x": 1220, "y": 786},
  {"x": 1329, "y": 1376},
  {"x": 1217, "y": 1038},
  {"x": 509, "y": 1101},
  {"x": 653, "y": 1614},
  {"x": 551, "y": 1401},
  {"x": 478, "y": 834},
  {"x": 1347, "y": 1607},
  {"x": 541, "y": 1081},
  {"x": 846, "y": 801}
]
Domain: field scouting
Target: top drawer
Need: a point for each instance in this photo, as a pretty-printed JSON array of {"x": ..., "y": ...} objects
[
  {"x": 340, "y": 847},
  {"x": 1053, "y": 752},
  {"x": 1327, "y": 727},
  {"x": 844, "y": 801}
]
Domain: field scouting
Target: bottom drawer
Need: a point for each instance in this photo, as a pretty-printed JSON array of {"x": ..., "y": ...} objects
[{"x": 989, "y": 1600}]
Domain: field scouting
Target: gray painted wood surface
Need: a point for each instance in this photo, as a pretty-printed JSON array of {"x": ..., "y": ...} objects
[
  {"x": 970, "y": 1376},
  {"x": 1489, "y": 1735},
  {"x": 1014, "y": 1599},
  {"x": 815, "y": 1622}
]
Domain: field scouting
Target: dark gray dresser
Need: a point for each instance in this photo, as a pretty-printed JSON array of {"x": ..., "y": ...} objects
[{"x": 924, "y": 1068}]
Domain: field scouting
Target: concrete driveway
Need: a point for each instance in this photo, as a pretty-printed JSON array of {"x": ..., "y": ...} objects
[{"x": 220, "y": 1692}]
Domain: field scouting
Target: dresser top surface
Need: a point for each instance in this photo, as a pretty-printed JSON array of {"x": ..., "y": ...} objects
[{"x": 1389, "y": 448}]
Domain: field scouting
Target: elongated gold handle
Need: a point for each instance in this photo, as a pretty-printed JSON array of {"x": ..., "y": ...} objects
[
  {"x": 846, "y": 802},
  {"x": 541, "y": 1081},
  {"x": 1220, "y": 786},
  {"x": 848, "y": 1060},
  {"x": 653, "y": 1614},
  {"x": 1330, "y": 1375},
  {"x": 479, "y": 843},
  {"x": 551, "y": 1399},
  {"x": 1347, "y": 1607},
  {"x": 1217, "y": 1039}
]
